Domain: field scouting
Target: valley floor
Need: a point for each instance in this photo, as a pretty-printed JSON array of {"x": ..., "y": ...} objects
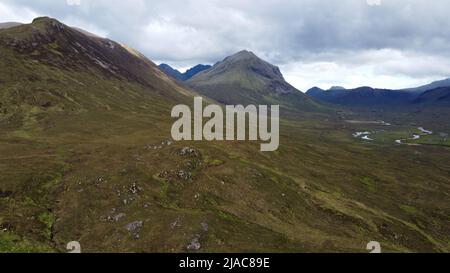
[{"x": 120, "y": 185}]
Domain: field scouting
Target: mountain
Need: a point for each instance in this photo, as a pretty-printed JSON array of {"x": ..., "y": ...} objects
[
  {"x": 436, "y": 96},
  {"x": 244, "y": 78},
  {"x": 336, "y": 88},
  {"x": 9, "y": 25},
  {"x": 433, "y": 85},
  {"x": 362, "y": 96},
  {"x": 195, "y": 70},
  {"x": 174, "y": 73},
  {"x": 49, "y": 64},
  {"x": 367, "y": 96},
  {"x": 315, "y": 91}
]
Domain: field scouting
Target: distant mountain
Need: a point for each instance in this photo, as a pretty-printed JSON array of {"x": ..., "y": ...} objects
[
  {"x": 435, "y": 92},
  {"x": 9, "y": 25},
  {"x": 244, "y": 78},
  {"x": 174, "y": 73},
  {"x": 337, "y": 88},
  {"x": 440, "y": 95},
  {"x": 433, "y": 85},
  {"x": 315, "y": 92},
  {"x": 362, "y": 96},
  {"x": 195, "y": 70}
]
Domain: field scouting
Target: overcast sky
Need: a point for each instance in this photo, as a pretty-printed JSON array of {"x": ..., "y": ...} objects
[{"x": 381, "y": 43}]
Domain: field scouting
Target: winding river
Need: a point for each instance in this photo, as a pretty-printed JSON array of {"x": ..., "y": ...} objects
[{"x": 423, "y": 131}]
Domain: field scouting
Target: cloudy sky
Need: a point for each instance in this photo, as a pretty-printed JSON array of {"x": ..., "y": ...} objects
[{"x": 381, "y": 43}]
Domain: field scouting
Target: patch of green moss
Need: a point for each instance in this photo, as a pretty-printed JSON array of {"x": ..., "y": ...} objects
[
  {"x": 409, "y": 209},
  {"x": 369, "y": 183},
  {"x": 212, "y": 162},
  {"x": 48, "y": 219},
  {"x": 12, "y": 243}
]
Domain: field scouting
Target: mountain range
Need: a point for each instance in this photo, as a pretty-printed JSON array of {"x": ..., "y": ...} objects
[
  {"x": 427, "y": 87},
  {"x": 86, "y": 155},
  {"x": 433, "y": 93},
  {"x": 174, "y": 73}
]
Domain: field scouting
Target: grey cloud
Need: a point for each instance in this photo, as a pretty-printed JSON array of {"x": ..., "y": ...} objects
[{"x": 204, "y": 31}]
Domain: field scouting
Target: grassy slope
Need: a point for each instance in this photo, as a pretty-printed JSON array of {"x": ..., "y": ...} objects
[{"x": 320, "y": 192}]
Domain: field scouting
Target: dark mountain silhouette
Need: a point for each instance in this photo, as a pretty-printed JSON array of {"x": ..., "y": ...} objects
[
  {"x": 362, "y": 96},
  {"x": 438, "y": 96},
  {"x": 435, "y": 92},
  {"x": 336, "y": 88},
  {"x": 174, "y": 73},
  {"x": 433, "y": 85},
  {"x": 195, "y": 70}
]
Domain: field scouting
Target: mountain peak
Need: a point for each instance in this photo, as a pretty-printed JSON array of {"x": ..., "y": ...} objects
[
  {"x": 336, "y": 88},
  {"x": 314, "y": 90},
  {"x": 47, "y": 21},
  {"x": 174, "y": 73},
  {"x": 244, "y": 78},
  {"x": 42, "y": 19},
  {"x": 242, "y": 55},
  {"x": 245, "y": 53},
  {"x": 50, "y": 42}
]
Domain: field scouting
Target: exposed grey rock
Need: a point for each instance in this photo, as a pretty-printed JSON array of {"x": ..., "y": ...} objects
[
  {"x": 188, "y": 151},
  {"x": 133, "y": 226},
  {"x": 167, "y": 142},
  {"x": 176, "y": 223},
  {"x": 134, "y": 188},
  {"x": 194, "y": 244},
  {"x": 184, "y": 175},
  {"x": 119, "y": 216},
  {"x": 175, "y": 174},
  {"x": 205, "y": 226}
]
